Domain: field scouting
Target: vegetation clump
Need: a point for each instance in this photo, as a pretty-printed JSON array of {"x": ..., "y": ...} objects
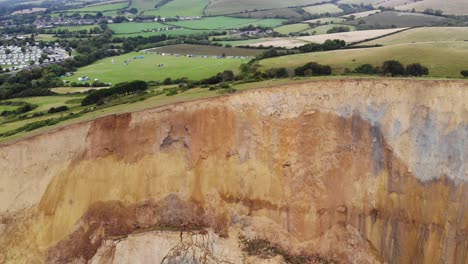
[
  {"x": 338, "y": 29},
  {"x": 23, "y": 108},
  {"x": 96, "y": 97},
  {"x": 393, "y": 68},
  {"x": 59, "y": 109},
  {"x": 313, "y": 69},
  {"x": 265, "y": 249}
]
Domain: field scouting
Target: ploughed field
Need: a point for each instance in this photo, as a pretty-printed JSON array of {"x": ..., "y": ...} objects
[{"x": 350, "y": 171}]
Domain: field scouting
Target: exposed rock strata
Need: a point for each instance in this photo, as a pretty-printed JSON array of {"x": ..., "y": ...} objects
[{"x": 306, "y": 166}]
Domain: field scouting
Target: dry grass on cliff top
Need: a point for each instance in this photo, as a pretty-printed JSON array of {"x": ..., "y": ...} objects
[{"x": 155, "y": 101}]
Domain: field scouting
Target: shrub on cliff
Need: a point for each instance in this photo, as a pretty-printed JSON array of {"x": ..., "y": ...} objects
[
  {"x": 313, "y": 69},
  {"x": 276, "y": 73},
  {"x": 119, "y": 89},
  {"x": 366, "y": 69},
  {"x": 393, "y": 68},
  {"x": 58, "y": 109},
  {"x": 416, "y": 69},
  {"x": 464, "y": 73}
]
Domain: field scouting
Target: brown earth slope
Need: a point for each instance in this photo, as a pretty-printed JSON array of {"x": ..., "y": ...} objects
[{"x": 352, "y": 171}]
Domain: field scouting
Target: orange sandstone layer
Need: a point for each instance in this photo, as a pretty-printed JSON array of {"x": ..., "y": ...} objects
[{"x": 383, "y": 157}]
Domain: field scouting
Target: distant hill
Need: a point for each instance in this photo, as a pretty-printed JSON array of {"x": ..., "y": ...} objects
[{"x": 454, "y": 7}]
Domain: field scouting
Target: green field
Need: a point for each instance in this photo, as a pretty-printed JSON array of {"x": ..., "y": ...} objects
[
  {"x": 111, "y": 13},
  {"x": 45, "y": 37},
  {"x": 223, "y": 7},
  {"x": 175, "y": 32},
  {"x": 147, "y": 69},
  {"x": 132, "y": 27},
  {"x": 292, "y": 28},
  {"x": 188, "y": 49},
  {"x": 323, "y": 9},
  {"x": 142, "y": 5},
  {"x": 399, "y": 19},
  {"x": 226, "y": 23},
  {"x": 7, "y": 108},
  {"x": 325, "y": 20},
  {"x": 46, "y": 102},
  {"x": 101, "y": 8},
  {"x": 426, "y": 34},
  {"x": 186, "y": 8},
  {"x": 73, "y": 28},
  {"x": 442, "y": 59},
  {"x": 272, "y": 13}
]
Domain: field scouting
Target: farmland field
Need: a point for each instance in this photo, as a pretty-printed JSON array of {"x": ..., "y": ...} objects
[
  {"x": 289, "y": 42},
  {"x": 8, "y": 108},
  {"x": 426, "y": 34},
  {"x": 46, "y": 102},
  {"x": 73, "y": 28},
  {"x": 357, "y": 2},
  {"x": 349, "y": 37},
  {"x": 362, "y": 14},
  {"x": 147, "y": 69},
  {"x": 324, "y": 28},
  {"x": 377, "y": 3},
  {"x": 291, "y": 28},
  {"x": 223, "y": 7},
  {"x": 188, "y": 8},
  {"x": 226, "y": 23},
  {"x": 142, "y": 5},
  {"x": 399, "y": 19},
  {"x": 456, "y": 7},
  {"x": 442, "y": 59},
  {"x": 234, "y": 43},
  {"x": 29, "y": 11},
  {"x": 174, "y": 32},
  {"x": 131, "y": 27},
  {"x": 322, "y": 9},
  {"x": 101, "y": 8},
  {"x": 324, "y": 20},
  {"x": 45, "y": 37},
  {"x": 273, "y": 13},
  {"x": 205, "y": 50},
  {"x": 69, "y": 90}
]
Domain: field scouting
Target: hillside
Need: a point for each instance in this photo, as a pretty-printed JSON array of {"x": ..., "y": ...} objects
[
  {"x": 290, "y": 170},
  {"x": 455, "y": 7},
  {"x": 444, "y": 59}
]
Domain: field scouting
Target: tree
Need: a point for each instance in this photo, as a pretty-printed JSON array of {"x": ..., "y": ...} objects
[
  {"x": 276, "y": 73},
  {"x": 31, "y": 62},
  {"x": 366, "y": 69},
  {"x": 393, "y": 68},
  {"x": 99, "y": 14},
  {"x": 464, "y": 73},
  {"x": 120, "y": 19},
  {"x": 416, "y": 69},
  {"x": 313, "y": 69},
  {"x": 337, "y": 29},
  {"x": 227, "y": 76}
]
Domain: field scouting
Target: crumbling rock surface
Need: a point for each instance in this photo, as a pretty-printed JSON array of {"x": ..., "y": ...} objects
[{"x": 351, "y": 171}]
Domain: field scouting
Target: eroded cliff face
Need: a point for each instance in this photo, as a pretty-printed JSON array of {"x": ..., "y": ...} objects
[{"x": 354, "y": 171}]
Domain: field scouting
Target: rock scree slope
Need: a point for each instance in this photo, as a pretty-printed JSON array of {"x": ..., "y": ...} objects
[{"x": 345, "y": 171}]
